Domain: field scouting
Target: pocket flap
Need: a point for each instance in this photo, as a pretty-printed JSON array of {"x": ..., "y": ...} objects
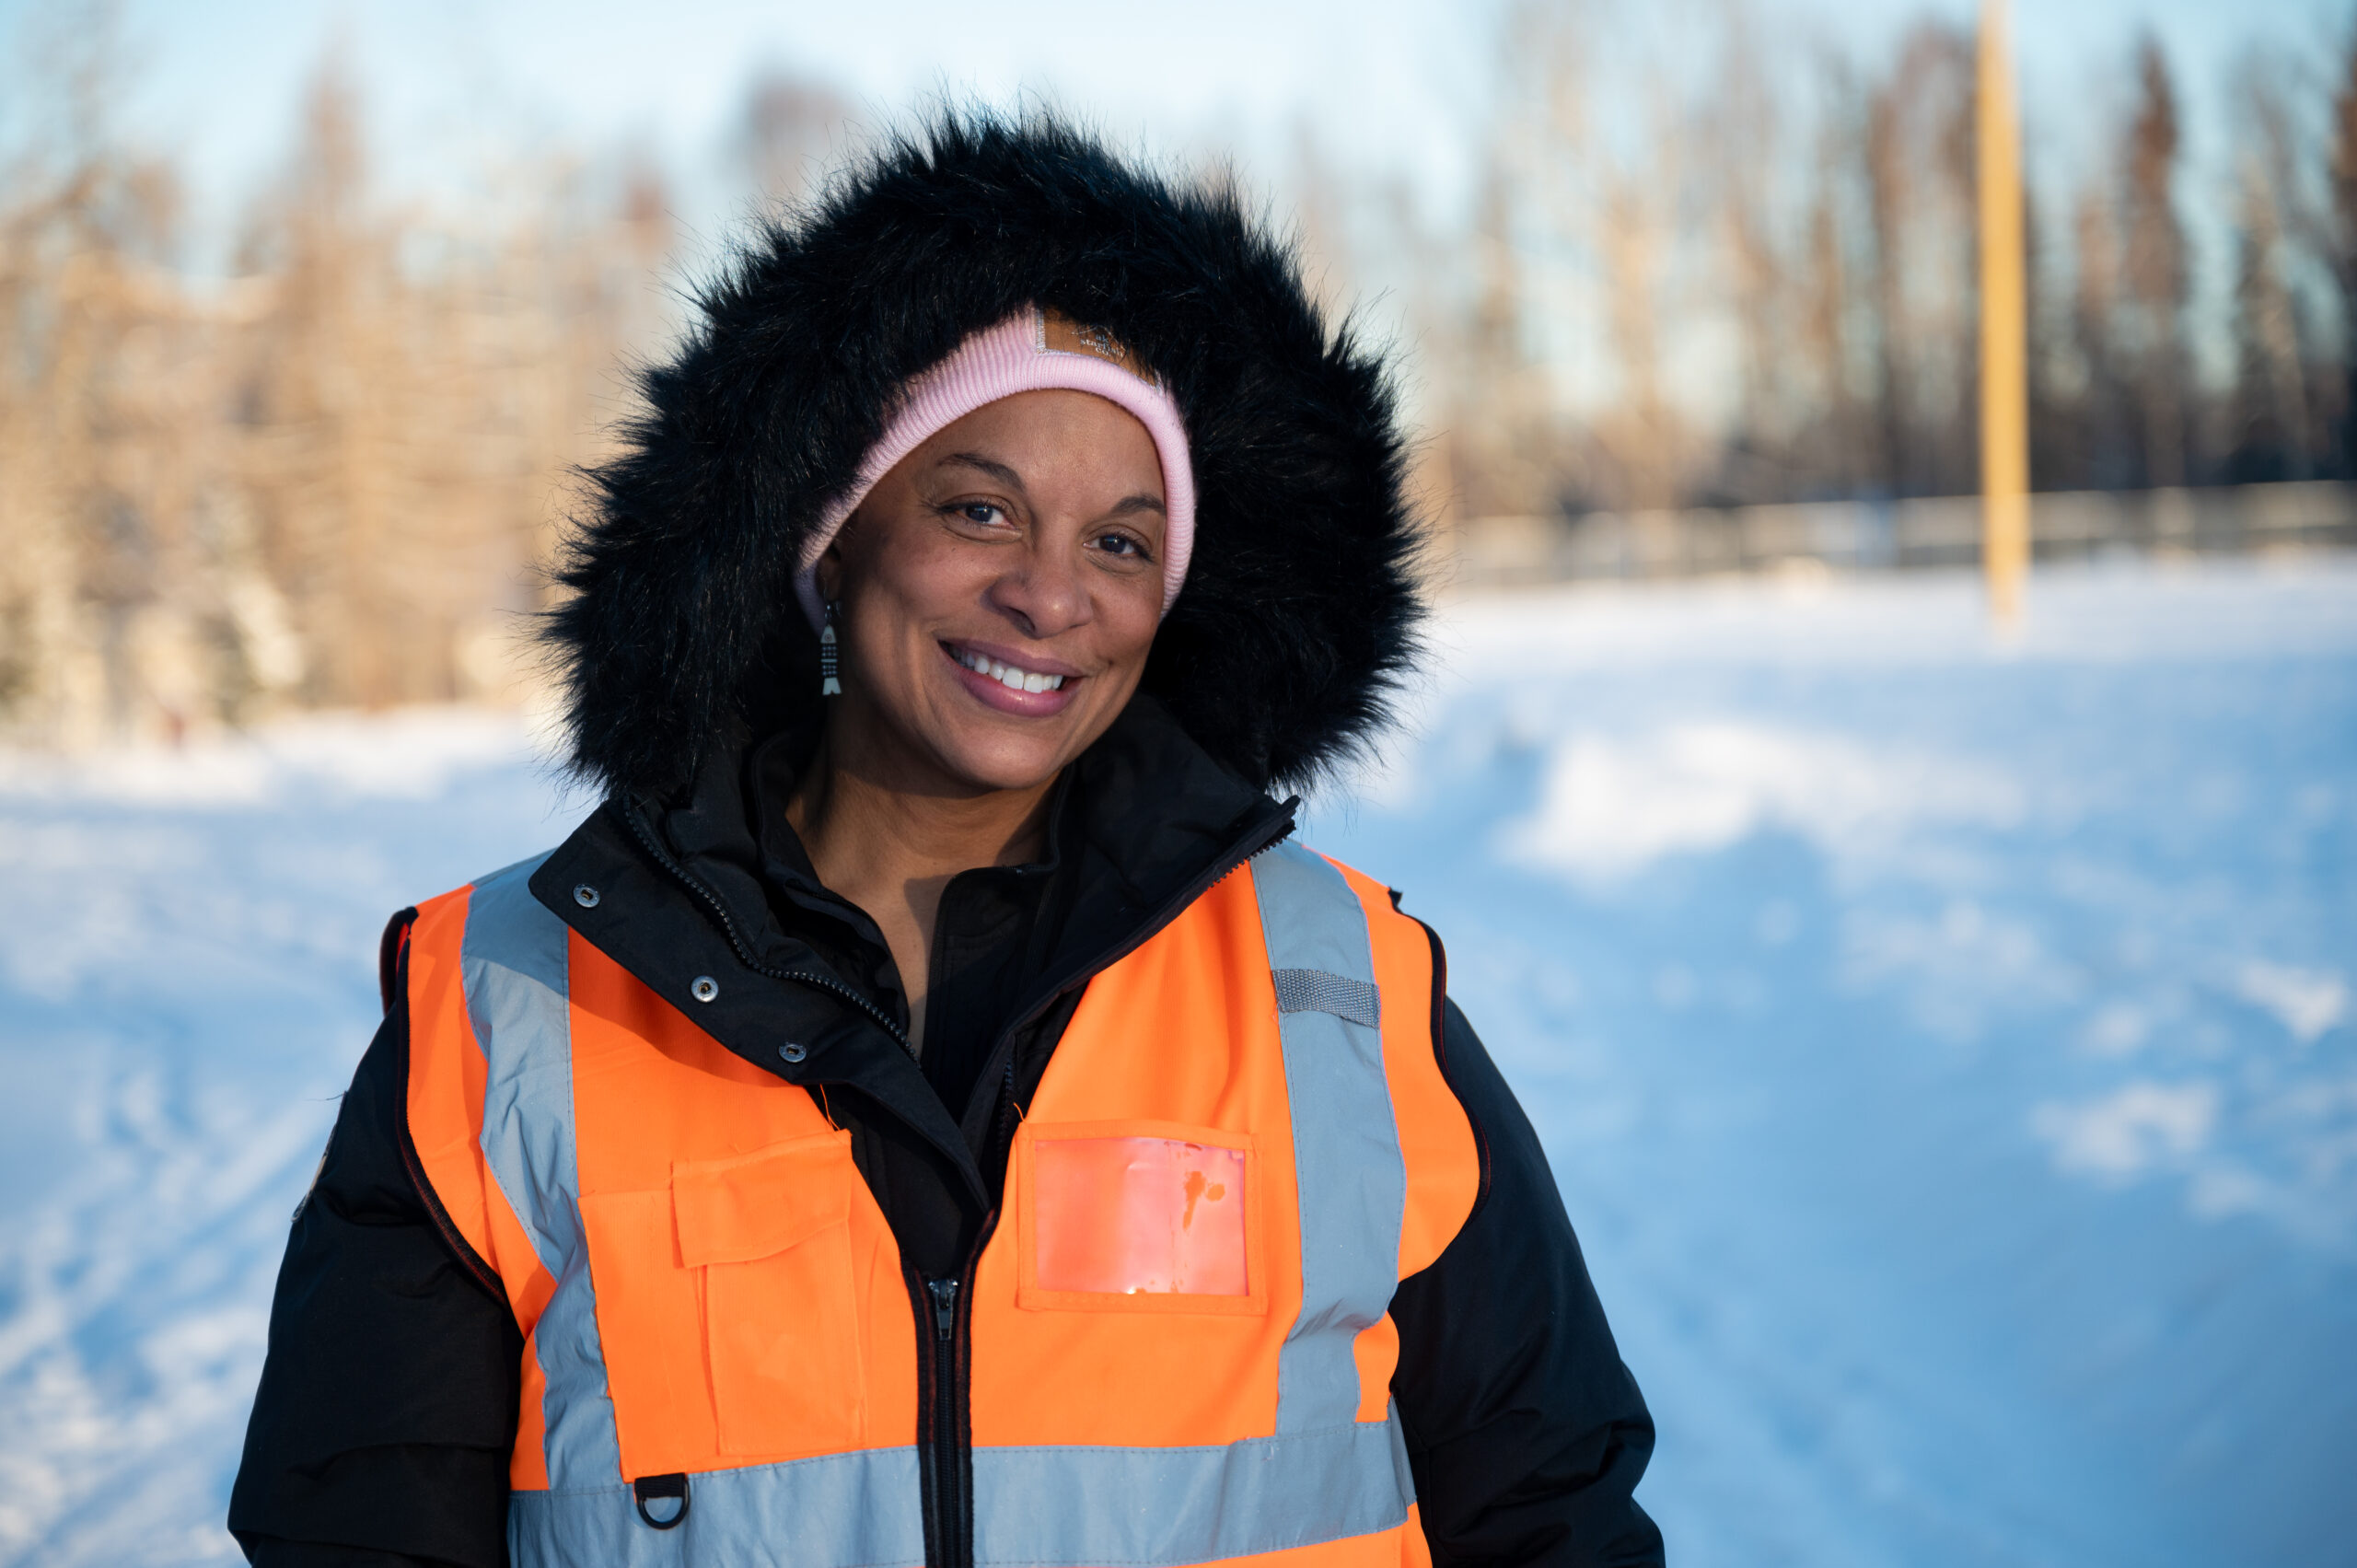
[{"x": 748, "y": 1206}]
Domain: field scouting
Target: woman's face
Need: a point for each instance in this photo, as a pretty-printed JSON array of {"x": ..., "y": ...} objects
[{"x": 998, "y": 592}]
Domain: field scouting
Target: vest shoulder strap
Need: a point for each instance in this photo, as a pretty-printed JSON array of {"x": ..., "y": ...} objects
[{"x": 1339, "y": 946}]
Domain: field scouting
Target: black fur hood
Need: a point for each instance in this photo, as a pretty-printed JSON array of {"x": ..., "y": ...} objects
[{"x": 682, "y": 637}]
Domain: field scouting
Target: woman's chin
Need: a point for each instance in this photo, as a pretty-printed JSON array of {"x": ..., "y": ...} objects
[
  {"x": 983, "y": 760},
  {"x": 988, "y": 779}
]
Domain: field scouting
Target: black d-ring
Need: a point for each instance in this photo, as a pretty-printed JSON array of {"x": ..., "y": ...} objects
[{"x": 652, "y": 1486}]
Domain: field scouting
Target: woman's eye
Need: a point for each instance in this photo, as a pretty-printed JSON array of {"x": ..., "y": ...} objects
[
  {"x": 1119, "y": 544},
  {"x": 981, "y": 512}
]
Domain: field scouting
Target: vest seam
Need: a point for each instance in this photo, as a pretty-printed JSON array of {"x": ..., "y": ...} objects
[
  {"x": 1172, "y": 1447},
  {"x": 1267, "y": 1439},
  {"x": 1440, "y": 1056},
  {"x": 625, "y": 1483},
  {"x": 1096, "y": 1562},
  {"x": 392, "y": 951},
  {"x": 469, "y": 1259}
]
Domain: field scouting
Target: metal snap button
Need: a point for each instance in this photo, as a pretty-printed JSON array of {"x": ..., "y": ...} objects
[
  {"x": 585, "y": 896},
  {"x": 703, "y": 988},
  {"x": 792, "y": 1052}
]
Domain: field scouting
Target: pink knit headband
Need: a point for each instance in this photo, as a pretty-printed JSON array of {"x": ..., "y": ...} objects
[{"x": 1031, "y": 350}]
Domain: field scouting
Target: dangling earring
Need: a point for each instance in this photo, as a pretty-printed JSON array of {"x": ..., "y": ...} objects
[{"x": 828, "y": 685}]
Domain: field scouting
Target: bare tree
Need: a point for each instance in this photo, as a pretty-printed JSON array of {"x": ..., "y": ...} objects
[
  {"x": 2153, "y": 270},
  {"x": 2095, "y": 323},
  {"x": 1918, "y": 167},
  {"x": 1745, "y": 128},
  {"x": 1836, "y": 441},
  {"x": 2336, "y": 238},
  {"x": 1499, "y": 436},
  {"x": 2271, "y": 436}
]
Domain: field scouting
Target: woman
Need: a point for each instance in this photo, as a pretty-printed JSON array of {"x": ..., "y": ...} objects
[{"x": 933, "y": 1112}]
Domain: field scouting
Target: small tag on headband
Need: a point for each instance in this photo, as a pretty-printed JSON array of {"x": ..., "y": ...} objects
[{"x": 1059, "y": 333}]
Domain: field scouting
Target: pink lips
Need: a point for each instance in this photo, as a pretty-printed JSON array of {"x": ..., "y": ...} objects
[{"x": 1005, "y": 698}]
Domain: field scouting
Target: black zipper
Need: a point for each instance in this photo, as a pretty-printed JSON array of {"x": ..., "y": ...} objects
[
  {"x": 948, "y": 1466},
  {"x": 949, "y": 1454},
  {"x": 711, "y": 900}
]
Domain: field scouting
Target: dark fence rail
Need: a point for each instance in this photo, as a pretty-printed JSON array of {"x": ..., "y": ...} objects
[{"x": 1874, "y": 536}]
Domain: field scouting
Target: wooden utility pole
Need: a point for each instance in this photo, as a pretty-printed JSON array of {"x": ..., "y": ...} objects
[{"x": 2004, "y": 348}]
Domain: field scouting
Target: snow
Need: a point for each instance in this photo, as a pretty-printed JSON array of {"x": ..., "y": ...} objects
[
  {"x": 1944, "y": 1045},
  {"x": 187, "y": 976}
]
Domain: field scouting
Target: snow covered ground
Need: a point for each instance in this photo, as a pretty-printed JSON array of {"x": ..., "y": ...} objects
[{"x": 1947, "y": 1051}]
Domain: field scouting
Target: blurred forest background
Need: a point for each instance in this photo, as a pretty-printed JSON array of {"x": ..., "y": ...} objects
[{"x": 1728, "y": 286}]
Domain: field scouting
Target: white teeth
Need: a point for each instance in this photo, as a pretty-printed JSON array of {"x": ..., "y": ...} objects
[{"x": 1012, "y": 677}]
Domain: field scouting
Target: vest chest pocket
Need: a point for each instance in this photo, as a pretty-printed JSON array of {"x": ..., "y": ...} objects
[
  {"x": 1139, "y": 1216},
  {"x": 768, "y": 1236}
]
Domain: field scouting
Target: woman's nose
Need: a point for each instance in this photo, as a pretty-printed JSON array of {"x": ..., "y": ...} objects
[{"x": 1043, "y": 593}]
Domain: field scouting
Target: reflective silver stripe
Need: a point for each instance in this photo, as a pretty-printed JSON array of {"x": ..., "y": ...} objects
[
  {"x": 1161, "y": 1508},
  {"x": 1315, "y": 991},
  {"x": 1139, "y": 1507},
  {"x": 858, "y": 1510},
  {"x": 1348, "y": 1174},
  {"x": 512, "y": 960}
]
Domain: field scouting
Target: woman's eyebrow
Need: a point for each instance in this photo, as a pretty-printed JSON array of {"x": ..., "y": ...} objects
[
  {"x": 1013, "y": 481},
  {"x": 997, "y": 470}
]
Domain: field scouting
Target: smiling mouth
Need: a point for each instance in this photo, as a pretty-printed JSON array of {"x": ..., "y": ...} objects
[{"x": 1012, "y": 676}]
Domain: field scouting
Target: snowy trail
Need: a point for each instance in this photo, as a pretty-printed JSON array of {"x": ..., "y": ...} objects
[
  {"x": 187, "y": 976},
  {"x": 1949, "y": 1055}
]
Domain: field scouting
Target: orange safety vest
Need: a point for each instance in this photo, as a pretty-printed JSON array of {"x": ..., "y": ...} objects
[{"x": 1181, "y": 1345}]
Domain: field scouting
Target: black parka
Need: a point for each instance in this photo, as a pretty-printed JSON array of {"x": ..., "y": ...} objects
[
  {"x": 387, "y": 1405},
  {"x": 386, "y": 1410}
]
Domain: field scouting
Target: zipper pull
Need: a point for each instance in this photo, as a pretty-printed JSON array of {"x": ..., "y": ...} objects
[{"x": 944, "y": 1305}]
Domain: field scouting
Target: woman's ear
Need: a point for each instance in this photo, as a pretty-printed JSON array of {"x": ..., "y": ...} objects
[{"x": 830, "y": 570}]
